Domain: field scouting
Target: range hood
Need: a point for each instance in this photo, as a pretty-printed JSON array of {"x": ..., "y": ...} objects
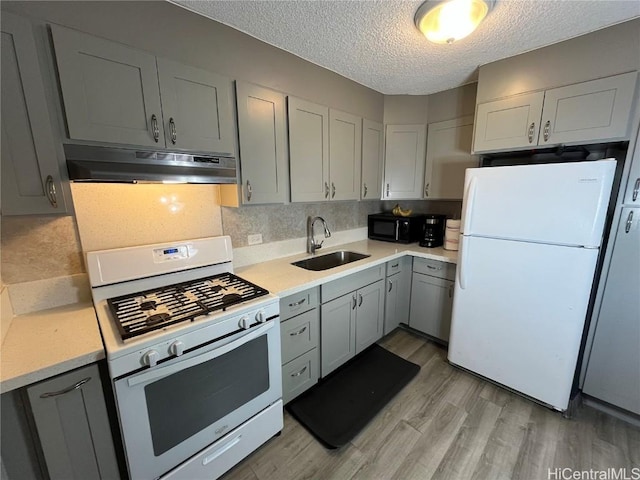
[{"x": 90, "y": 163}]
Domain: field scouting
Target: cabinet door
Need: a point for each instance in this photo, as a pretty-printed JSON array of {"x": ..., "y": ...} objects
[
  {"x": 31, "y": 181},
  {"x": 391, "y": 320},
  {"x": 632, "y": 192},
  {"x": 508, "y": 124},
  {"x": 431, "y": 303},
  {"x": 613, "y": 371},
  {"x": 369, "y": 315},
  {"x": 337, "y": 332},
  {"x": 398, "y": 293},
  {"x": 71, "y": 418},
  {"x": 263, "y": 144},
  {"x": 404, "y": 161},
  {"x": 372, "y": 160},
  {"x": 595, "y": 111},
  {"x": 196, "y": 108},
  {"x": 345, "y": 155},
  {"x": 448, "y": 156},
  {"x": 110, "y": 91},
  {"x": 308, "y": 151}
]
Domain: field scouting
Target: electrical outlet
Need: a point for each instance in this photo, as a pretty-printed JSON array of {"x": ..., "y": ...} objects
[{"x": 254, "y": 239}]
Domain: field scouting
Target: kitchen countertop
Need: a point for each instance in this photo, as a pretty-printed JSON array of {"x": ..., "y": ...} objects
[
  {"x": 283, "y": 279},
  {"x": 47, "y": 343}
]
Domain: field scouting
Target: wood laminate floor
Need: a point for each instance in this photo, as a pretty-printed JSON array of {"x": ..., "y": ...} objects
[{"x": 449, "y": 424}]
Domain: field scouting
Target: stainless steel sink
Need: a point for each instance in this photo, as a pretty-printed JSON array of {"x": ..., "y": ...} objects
[{"x": 329, "y": 260}]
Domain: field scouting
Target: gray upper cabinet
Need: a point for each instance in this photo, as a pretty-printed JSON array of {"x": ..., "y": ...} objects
[
  {"x": 372, "y": 160},
  {"x": 613, "y": 369},
  {"x": 31, "y": 182},
  {"x": 404, "y": 161},
  {"x": 345, "y": 155},
  {"x": 263, "y": 144},
  {"x": 448, "y": 156},
  {"x": 116, "y": 94},
  {"x": 196, "y": 108},
  {"x": 71, "y": 418},
  {"x": 508, "y": 124},
  {"x": 587, "y": 112},
  {"x": 110, "y": 91},
  {"x": 308, "y": 151}
]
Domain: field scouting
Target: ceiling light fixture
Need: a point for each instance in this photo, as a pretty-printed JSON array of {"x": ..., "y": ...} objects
[{"x": 445, "y": 21}]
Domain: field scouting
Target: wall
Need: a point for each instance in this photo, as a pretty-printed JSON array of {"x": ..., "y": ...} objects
[{"x": 599, "y": 54}]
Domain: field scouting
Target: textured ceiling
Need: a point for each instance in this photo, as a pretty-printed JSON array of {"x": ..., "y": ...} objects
[{"x": 376, "y": 44}]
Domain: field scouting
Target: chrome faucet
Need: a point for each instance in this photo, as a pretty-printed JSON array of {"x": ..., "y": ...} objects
[{"x": 312, "y": 246}]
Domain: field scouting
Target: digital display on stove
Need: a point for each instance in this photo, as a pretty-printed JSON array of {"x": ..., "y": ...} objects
[{"x": 169, "y": 251}]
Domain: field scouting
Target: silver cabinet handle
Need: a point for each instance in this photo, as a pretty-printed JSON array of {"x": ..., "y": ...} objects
[
  {"x": 547, "y": 129},
  {"x": 627, "y": 227},
  {"x": 426, "y": 190},
  {"x": 395, "y": 265},
  {"x": 353, "y": 307},
  {"x": 365, "y": 190},
  {"x": 636, "y": 188},
  {"x": 66, "y": 390},
  {"x": 359, "y": 300},
  {"x": 172, "y": 128},
  {"x": 326, "y": 190},
  {"x": 298, "y": 303},
  {"x": 450, "y": 291},
  {"x": 51, "y": 191},
  {"x": 299, "y": 332},
  {"x": 155, "y": 128},
  {"x": 249, "y": 191},
  {"x": 387, "y": 189},
  {"x": 297, "y": 374},
  {"x": 430, "y": 267},
  {"x": 333, "y": 190},
  {"x": 532, "y": 129},
  {"x": 390, "y": 285}
]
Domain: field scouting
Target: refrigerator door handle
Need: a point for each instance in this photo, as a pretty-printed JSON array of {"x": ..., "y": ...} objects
[
  {"x": 462, "y": 272},
  {"x": 468, "y": 201}
]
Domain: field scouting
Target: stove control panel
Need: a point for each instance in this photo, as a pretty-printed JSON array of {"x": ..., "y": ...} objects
[{"x": 171, "y": 253}]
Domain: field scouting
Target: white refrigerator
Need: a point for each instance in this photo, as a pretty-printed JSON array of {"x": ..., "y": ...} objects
[{"x": 530, "y": 239}]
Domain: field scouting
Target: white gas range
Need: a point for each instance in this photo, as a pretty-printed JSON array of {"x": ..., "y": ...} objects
[{"x": 193, "y": 353}]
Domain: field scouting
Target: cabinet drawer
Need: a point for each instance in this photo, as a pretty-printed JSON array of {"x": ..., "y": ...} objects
[
  {"x": 398, "y": 265},
  {"x": 298, "y": 303},
  {"x": 299, "y": 375},
  {"x": 352, "y": 282},
  {"x": 435, "y": 268},
  {"x": 299, "y": 335}
]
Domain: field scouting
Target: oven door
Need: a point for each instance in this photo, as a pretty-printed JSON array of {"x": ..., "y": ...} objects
[{"x": 172, "y": 411}]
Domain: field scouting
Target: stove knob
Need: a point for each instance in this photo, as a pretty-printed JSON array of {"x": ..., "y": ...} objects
[
  {"x": 176, "y": 348},
  {"x": 150, "y": 358},
  {"x": 260, "y": 316},
  {"x": 244, "y": 323}
]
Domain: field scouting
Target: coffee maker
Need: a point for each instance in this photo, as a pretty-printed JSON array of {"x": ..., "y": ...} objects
[{"x": 432, "y": 230}]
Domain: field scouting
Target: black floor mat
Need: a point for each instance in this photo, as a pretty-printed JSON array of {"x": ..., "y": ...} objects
[{"x": 342, "y": 404}]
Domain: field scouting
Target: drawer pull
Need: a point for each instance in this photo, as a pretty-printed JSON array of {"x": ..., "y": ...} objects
[
  {"x": 297, "y": 304},
  {"x": 636, "y": 189},
  {"x": 66, "y": 390},
  {"x": 297, "y": 374},
  {"x": 395, "y": 266},
  {"x": 223, "y": 449},
  {"x": 299, "y": 332},
  {"x": 431, "y": 267}
]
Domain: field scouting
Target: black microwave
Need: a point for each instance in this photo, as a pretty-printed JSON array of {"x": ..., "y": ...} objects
[{"x": 389, "y": 228}]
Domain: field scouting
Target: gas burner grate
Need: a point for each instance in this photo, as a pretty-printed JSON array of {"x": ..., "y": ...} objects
[{"x": 143, "y": 312}]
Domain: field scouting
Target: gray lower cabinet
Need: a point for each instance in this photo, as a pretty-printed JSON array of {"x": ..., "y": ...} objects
[
  {"x": 398, "y": 293},
  {"x": 31, "y": 182},
  {"x": 351, "y": 316},
  {"x": 432, "y": 297},
  {"x": 71, "y": 419},
  {"x": 613, "y": 369},
  {"x": 299, "y": 334}
]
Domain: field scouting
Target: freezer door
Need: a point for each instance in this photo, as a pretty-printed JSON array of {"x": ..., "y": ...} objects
[
  {"x": 562, "y": 203},
  {"x": 518, "y": 314}
]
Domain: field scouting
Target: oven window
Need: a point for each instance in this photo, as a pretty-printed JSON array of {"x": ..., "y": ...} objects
[
  {"x": 190, "y": 400},
  {"x": 385, "y": 229}
]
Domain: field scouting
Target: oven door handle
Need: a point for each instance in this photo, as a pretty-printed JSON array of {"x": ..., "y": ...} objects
[{"x": 156, "y": 373}]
